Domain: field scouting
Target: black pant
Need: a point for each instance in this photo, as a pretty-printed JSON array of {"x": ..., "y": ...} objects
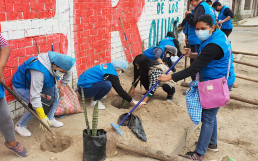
[
  {"x": 194, "y": 48},
  {"x": 227, "y": 31}
]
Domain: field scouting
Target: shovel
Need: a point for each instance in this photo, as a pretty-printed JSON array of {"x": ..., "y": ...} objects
[
  {"x": 26, "y": 106},
  {"x": 117, "y": 127}
]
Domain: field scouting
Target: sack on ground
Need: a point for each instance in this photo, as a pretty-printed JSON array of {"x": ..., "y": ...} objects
[
  {"x": 69, "y": 103},
  {"x": 193, "y": 103}
]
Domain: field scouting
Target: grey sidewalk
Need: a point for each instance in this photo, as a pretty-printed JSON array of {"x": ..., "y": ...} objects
[{"x": 249, "y": 22}]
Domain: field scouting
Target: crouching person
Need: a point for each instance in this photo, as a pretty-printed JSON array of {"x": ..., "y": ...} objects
[
  {"x": 98, "y": 81},
  {"x": 39, "y": 75}
]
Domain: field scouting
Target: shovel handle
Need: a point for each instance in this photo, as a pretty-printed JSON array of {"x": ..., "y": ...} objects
[
  {"x": 148, "y": 92},
  {"x": 25, "y": 106}
]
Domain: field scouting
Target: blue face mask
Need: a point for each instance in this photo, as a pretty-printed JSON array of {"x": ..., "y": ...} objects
[{"x": 203, "y": 34}]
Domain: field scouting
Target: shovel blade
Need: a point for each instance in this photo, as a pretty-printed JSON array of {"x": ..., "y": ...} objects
[{"x": 117, "y": 128}]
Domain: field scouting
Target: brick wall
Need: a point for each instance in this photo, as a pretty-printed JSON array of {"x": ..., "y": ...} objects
[{"x": 87, "y": 30}]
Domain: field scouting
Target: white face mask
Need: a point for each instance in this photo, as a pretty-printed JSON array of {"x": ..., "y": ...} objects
[
  {"x": 203, "y": 34},
  {"x": 58, "y": 73}
]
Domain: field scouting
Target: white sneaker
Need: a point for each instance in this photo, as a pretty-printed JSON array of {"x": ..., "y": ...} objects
[
  {"x": 55, "y": 123},
  {"x": 101, "y": 106},
  {"x": 93, "y": 103},
  {"x": 23, "y": 131}
]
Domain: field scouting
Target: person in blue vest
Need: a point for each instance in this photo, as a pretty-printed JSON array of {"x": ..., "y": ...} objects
[
  {"x": 215, "y": 12},
  {"x": 98, "y": 81},
  {"x": 211, "y": 62},
  {"x": 167, "y": 49},
  {"x": 199, "y": 8},
  {"x": 39, "y": 75},
  {"x": 224, "y": 18},
  {"x": 6, "y": 122}
]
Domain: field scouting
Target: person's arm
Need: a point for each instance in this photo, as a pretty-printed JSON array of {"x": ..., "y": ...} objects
[
  {"x": 117, "y": 86},
  {"x": 153, "y": 80},
  {"x": 229, "y": 15},
  {"x": 36, "y": 86},
  {"x": 4, "y": 56},
  {"x": 179, "y": 53},
  {"x": 192, "y": 18},
  {"x": 209, "y": 53},
  {"x": 157, "y": 54}
]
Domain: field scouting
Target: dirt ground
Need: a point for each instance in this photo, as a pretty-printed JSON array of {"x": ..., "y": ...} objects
[{"x": 165, "y": 123}]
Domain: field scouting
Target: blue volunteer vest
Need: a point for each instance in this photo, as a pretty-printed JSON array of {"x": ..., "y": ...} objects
[
  {"x": 150, "y": 54},
  {"x": 218, "y": 68},
  {"x": 22, "y": 77},
  {"x": 192, "y": 37},
  {"x": 95, "y": 74},
  {"x": 1, "y": 92},
  {"x": 228, "y": 24}
]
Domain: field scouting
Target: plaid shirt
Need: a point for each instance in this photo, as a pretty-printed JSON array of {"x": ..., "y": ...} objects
[{"x": 154, "y": 75}]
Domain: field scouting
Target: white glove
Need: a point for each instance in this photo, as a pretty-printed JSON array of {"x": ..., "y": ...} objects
[{"x": 47, "y": 122}]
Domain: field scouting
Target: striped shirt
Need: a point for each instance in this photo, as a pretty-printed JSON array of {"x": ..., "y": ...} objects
[{"x": 3, "y": 42}]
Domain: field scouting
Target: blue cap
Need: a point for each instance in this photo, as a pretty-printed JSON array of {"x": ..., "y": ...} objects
[
  {"x": 120, "y": 64},
  {"x": 63, "y": 61}
]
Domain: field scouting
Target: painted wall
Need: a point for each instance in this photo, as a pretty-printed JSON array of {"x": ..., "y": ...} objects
[{"x": 87, "y": 30}]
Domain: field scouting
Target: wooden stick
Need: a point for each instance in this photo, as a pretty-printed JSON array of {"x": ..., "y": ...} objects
[
  {"x": 185, "y": 84},
  {"x": 38, "y": 47},
  {"x": 25, "y": 106},
  {"x": 244, "y": 63},
  {"x": 245, "y": 53},
  {"x": 246, "y": 78},
  {"x": 145, "y": 151},
  {"x": 126, "y": 37},
  {"x": 235, "y": 97},
  {"x": 185, "y": 64}
]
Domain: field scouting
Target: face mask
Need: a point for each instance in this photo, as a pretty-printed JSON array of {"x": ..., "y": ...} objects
[
  {"x": 203, "y": 34},
  {"x": 192, "y": 7},
  {"x": 58, "y": 73},
  {"x": 119, "y": 72}
]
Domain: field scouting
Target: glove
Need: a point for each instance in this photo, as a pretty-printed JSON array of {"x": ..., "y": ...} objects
[
  {"x": 135, "y": 103},
  {"x": 43, "y": 117}
]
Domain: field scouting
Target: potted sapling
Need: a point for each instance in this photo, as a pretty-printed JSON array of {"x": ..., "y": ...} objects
[{"x": 94, "y": 140}]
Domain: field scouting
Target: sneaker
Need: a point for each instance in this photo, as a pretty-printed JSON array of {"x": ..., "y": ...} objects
[
  {"x": 193, "y": 156},
  {"x": 55, "y": 123},
  {"x": 213, "y": 148},
  {"x": 18, "y": 149},
  {"x": 101, "y": 106},
  {"x": 93, "y": 103},
  {"x": 169, "y": 98},
  {"x": 23, "y": 131}
]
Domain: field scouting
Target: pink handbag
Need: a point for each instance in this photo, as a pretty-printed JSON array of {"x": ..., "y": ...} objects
[{"x": 214, "y": 93}]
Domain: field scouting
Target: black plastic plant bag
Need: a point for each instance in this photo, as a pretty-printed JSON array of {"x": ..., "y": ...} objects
[
  {"x": 94, "y": 147},
  {"x": 134, "y": 123}
]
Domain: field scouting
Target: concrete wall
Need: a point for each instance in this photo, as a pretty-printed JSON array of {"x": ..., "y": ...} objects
[{"x": 87, "y": 30}]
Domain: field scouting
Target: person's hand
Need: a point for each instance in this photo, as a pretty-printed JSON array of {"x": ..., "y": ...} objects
[
  {"x": 165, "y": 78},
  {"x": 187, "y": 12},
  {"x": 61, "y": 90},
  {"x": 187, "y": 52},
  {"x": 220, "y": 22},
  {"x": 43, "y": 117},
  {"x": 136, "y": 102}
]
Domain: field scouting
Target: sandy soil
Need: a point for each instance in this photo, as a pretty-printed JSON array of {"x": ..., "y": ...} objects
[{"x": 164, "y": 122}]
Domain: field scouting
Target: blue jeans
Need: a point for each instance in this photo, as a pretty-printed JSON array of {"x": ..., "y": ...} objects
[
  {"x": 97, "y": 90},
  {"x": 24, "y": 94},
  {"x": 208, "y": 133}
]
